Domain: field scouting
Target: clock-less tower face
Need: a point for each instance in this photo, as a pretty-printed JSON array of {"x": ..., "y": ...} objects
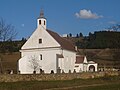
[{"x": 42, "y": 22}]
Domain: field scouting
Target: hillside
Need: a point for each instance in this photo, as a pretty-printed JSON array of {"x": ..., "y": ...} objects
[
  {"x": 104, "y": 54},
  {"x": 108, "y": 58},
  {"x": 9, "y": 62},
  {"x": 11, "y": 46},
  {"x": 104, "y": 39},
  {"x": 97, "y": 40}
]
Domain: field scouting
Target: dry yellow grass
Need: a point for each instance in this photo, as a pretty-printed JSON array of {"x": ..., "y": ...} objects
[{"x": 9, "y": 61}]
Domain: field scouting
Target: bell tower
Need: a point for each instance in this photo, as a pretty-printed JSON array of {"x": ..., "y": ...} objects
[{"x": 41, "y": 20}]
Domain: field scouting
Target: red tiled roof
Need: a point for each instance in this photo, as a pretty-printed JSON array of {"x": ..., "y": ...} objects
[
  {"x": 65, "y": 44},
  {"x": 79, "y": 59}
]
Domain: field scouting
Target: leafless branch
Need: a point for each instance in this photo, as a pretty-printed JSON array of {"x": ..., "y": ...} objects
[{"x": 7, "y": 31}]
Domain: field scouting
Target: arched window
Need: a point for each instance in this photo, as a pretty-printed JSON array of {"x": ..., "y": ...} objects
[
  {"x": 40, "y": 57},
  {"x": 39, "y": 22},
  {"x": 44, "y": 22},
  {"x": 92, "y": 68},
  {"x": 40, "y": 41}
]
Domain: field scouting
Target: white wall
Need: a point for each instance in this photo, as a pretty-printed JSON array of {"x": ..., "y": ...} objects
[
  {"x": 22, "y": 63},
  {"x": 78, "y": 67},
  {"x": 94, "y": 64},
  {"x": 68, "y": 62},
  {"x": 47, "y": 63},
  {"x": 40, "y": 33},
  {"x": 42, "y": 22},
  {"x": 84, "y": 67}
]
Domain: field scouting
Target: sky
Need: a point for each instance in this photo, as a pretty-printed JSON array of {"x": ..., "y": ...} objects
[{"x": 63, "y": 16}]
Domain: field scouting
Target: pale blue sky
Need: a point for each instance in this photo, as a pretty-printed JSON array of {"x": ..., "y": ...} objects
[{"x": 63, "y": 16}]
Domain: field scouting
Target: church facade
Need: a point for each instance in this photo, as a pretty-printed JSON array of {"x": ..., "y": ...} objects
[{"x": 47, "y": 51}]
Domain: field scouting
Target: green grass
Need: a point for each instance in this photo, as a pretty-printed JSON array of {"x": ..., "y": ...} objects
[{"x": 108, "y": 83}]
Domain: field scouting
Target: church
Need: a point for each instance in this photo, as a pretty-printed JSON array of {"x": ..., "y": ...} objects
[{"x": 47, "y": 51}]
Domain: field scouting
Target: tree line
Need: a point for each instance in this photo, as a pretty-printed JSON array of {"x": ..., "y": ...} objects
[
  {"x": 100, "y": 40},
  {"x": 108, "y": 38}
]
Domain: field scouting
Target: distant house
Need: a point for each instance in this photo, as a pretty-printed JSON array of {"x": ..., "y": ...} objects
[
  {"x": 46, "y": 51},
  {"x": 82, "y": 65}
]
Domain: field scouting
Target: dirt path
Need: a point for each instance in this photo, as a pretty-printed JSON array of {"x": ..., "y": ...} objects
[{"x": 66, "y": 88}]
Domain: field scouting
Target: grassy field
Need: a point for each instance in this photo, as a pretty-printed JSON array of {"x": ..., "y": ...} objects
[
  {"x": 9, "y": 61},
  {"x": 102, "y": 87},
  {"x": 106, "y": 83}
]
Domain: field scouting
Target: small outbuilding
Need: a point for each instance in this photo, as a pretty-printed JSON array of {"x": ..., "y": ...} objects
[{"x": 82, "y": 65}]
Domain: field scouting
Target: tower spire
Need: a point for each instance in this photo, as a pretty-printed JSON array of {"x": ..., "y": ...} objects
[
  {"x": 41, "y": 21},
  {"x": 41, "y": 13}
]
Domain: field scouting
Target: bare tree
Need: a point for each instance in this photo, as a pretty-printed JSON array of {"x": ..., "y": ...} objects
[
  {"x": 34, "y": 63},
  {"x": 7, "y": 31}
]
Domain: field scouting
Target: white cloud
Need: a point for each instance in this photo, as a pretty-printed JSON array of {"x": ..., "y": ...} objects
[{"x": 87, "y": 14}]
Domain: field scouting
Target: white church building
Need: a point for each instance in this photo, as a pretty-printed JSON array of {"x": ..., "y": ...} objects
[{"x": 47, "y": 51}]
